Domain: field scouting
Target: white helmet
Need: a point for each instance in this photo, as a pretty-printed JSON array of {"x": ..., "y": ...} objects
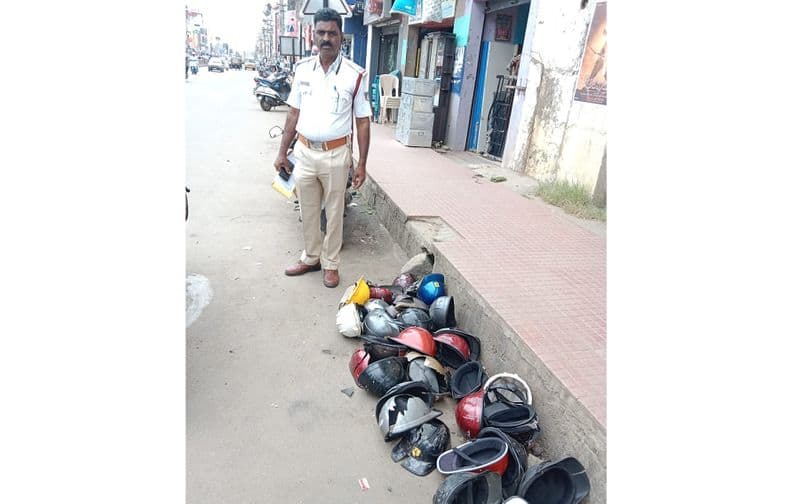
[{"x": 348, "y": 321}]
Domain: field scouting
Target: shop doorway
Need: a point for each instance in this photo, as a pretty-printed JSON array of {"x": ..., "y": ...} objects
[
  {"x": 387, "y": 57},
  {"x": 502, "y": 39}
]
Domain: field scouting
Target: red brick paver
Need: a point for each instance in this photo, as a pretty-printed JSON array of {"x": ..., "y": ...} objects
[{"x": 543, "y": 274}]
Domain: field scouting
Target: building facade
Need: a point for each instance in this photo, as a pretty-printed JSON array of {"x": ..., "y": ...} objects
[{"x": 526, "y": 84}]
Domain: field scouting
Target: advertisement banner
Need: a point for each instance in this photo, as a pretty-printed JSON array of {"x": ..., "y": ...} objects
[
  {"x": 376, "y": 10},
  {"x": 448, "y": 10},
  {"x": 591, "y": 87}
]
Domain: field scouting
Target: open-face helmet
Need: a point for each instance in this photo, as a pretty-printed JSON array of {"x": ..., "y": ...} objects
[
  {"x": 469, "y": 414},
  {"x": 419, "y": 448},
  {"x": 468, "y": 378},
  {"x": 443, "y": 312},
  {"x": 415, "y": 317},
  {"x": 416, "y": 338},
  {"x": 358, "y": 363},
  {"x": 380, "y": 376},
  {"x": 431, "y": 287},
  {"x": 451, "y": 349},
  {"x": 404, "y": 280},
  {"x": 402, "y": 412},
  {"x": 480, "y": 488},
  {"x": 348, "y": 321},
  {"x": 379, "y": 348},
  {"x": 426, "y": 368},
  {"x": 381, "y": 324},
  {"x": 477, "y": 455},
  {"x": 508, "y": 406},
  {"x": 357, "y": 293},
  {"x": 517, "y": 459},
  {"x": 375, "y": 304},
  {"x": 473, "y": 341},
  {"x": 561, "y": 482}
]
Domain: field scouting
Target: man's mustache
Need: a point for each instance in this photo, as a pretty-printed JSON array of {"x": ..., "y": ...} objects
[{"x": 326, "y": 45}]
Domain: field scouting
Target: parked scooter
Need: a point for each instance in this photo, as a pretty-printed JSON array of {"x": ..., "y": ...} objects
[
  {"x": 273, "y": 91},
  {"x": 348, "y": 196}
]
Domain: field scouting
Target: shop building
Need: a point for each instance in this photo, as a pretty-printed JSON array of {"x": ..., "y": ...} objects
[{"x": 545, "y": 115}]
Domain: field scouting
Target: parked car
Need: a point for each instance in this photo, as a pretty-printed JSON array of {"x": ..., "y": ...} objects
[
  {"x": 217, "y": 64},
  {"x": 250, "y": 65}
]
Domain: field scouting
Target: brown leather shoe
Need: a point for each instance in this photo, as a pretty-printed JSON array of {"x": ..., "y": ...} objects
[
  {"x": 300, "y": 268},
  {"x": 330, "y": 278}
]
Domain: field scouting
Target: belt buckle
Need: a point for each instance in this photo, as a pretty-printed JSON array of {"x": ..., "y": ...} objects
[{"x": 316, "y": 145}]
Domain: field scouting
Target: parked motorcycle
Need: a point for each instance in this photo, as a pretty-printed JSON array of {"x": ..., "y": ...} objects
[
  {"x": 272, "y": 91},
  {"x": 193, "y": 66},
  {"x": 348, "y": 196}
]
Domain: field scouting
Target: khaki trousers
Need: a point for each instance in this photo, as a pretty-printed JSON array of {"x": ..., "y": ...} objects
[{"x": 321, "y": 178}]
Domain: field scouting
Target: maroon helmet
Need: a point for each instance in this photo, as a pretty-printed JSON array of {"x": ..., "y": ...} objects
[{"x": 469, "y": 413}]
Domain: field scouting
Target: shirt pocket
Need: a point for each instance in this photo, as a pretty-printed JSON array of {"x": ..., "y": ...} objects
[{"x": 343, "y": 103}]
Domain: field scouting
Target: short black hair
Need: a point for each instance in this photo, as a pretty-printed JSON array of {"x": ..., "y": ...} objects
[{"x": 328, "y": 14}]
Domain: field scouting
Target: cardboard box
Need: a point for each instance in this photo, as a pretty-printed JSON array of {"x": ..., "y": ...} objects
[
  {"x": 414, "y": 138},
  {"x": 419, "y": 87},
  {"x": 416, "y": 120},
  {"x": 416, "y": 103}
]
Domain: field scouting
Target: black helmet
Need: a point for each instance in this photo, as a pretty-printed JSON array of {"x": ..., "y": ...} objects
[
  {"x": 420, "y": 447},
  {"x": 380, "y": 376},
  {"x": 473, "y": 341},
  {"x": 508, "y": 405},
  {"x": 427, "y": 369},
  {"x": 375, "y": 304},
  {"x": 517, "y": 460},
  {"x": 380, "y": 348},
  {"x": 379, "y": 323},
  {"x": 562, "y": 482},
  {"x": 443, "y": 312},
  {"x": 483, "y": 488},
  {"x": 415, "y": 388},
  {"x": 402, "y": 302},
  {"x": 414, "y": 317},
  {"x": 468, "y": 378}
]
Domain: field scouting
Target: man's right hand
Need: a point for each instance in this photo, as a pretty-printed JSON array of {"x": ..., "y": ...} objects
[{"x": 281, "y": 161}]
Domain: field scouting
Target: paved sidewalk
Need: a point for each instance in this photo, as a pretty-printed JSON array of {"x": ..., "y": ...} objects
[{"x": 543, "y": 274}]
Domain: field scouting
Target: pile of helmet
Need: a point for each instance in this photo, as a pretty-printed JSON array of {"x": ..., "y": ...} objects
[{"x": 412, "y": 354}]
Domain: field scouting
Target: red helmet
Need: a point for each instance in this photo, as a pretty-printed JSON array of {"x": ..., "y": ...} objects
[
  {"x": 452, "y": 349},
  {"x": 358, "y": 363},
  {"x": 416, "y": 338},
  {"x": 469, "y": 413},
  {"x": 404, "y": 281},
  {"x": 478, "y": 455},
  {"x": 381, "y": 293}
]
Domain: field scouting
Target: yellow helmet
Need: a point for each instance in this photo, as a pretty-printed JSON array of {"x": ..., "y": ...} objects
[{"x": 357, "y": 293}]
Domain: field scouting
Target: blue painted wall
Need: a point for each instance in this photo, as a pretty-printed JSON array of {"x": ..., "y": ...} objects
[
  {"x": 355, "y": 26},
  {"x": 477, "y": 104}
]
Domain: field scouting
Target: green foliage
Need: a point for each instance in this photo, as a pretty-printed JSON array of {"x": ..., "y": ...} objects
[{"x": 572, "y": 197}]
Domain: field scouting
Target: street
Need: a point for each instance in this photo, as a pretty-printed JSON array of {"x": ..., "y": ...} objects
[{"x": 266, "y": 418}]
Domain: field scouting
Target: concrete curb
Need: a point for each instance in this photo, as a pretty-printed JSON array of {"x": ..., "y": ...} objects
[{"x": 568, "y": 429}]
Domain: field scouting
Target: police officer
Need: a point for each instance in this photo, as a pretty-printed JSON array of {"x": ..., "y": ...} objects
[{"x": 327, "y": 92}]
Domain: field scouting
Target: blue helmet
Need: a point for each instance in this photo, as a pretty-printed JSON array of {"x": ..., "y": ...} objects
[{"x": 431, "y": 287}]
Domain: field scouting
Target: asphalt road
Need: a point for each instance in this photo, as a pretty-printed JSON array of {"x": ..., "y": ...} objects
[{"x": 266, "y": 421}]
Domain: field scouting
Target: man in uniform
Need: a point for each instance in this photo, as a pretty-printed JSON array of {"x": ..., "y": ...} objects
[{"x": 327, "y": 92}]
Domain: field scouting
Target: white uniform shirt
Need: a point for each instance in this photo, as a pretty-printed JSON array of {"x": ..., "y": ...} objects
[{"x": 326, "y": 100}]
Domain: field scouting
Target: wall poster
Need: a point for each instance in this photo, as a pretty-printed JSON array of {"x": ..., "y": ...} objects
[
  {"x": 502, "y": 31},
  {"x": 591, "y": 87}
]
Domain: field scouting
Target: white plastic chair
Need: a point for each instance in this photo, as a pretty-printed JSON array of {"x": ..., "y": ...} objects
[{"x": 390, "y": 96}]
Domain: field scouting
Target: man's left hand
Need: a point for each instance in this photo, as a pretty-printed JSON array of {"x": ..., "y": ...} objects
[{"x": 359, "y": 175}]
